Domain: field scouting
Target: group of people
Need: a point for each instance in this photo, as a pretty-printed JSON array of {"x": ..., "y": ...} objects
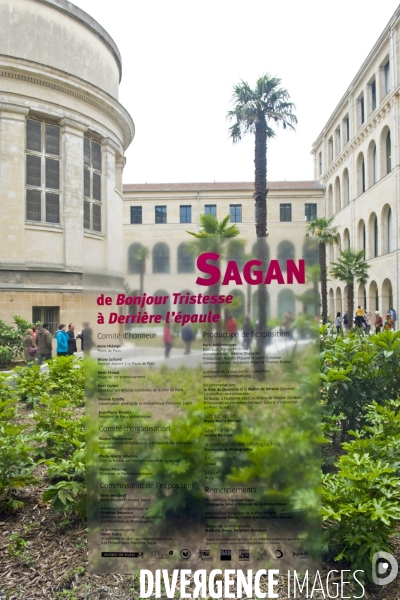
[
  {"x": 38, "y": 343},
  {"x": 364, "y": 320}
]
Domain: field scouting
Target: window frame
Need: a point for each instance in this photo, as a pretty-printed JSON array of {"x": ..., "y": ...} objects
[
  {"x": 310, "y": 217},
  {"x": 42, "y": 188},
  {"x": 92, "y": 172},
  {"x": 235, "y": 210},
  {"x": 137, "y": 208},
  {"x": 283, "y": 208},
  {"x": 164, "y": 214},
  {"x": 183, "y": 216},
  {"x": 208, "y": 209}
]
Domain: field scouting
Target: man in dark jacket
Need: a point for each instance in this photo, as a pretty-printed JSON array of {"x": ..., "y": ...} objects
[
  {"x": 72, "y": 339},
  {"x": 44, "y": 344},
  {"x": 86, "y": 337}
]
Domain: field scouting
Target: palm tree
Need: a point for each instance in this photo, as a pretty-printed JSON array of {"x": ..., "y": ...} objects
[
  {"x": 350, "y": 267},
  {"x": 211, "y": 238},
  {"x": 254, "y": 111},
  {"x": 214, "y": 229},
  {"x": 326, "y": 234}
]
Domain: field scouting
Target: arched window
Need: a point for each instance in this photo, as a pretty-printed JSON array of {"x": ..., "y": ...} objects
[
  {"x": 346, "y": 187},
  {"x": 286, "y": 251},
  {"x": 390, "y": 230},
  {"x": 361, "y": 236},
  {"x": 161, "y": 258},
  {"x": 376, "y": 236},
  {"x": 286, "y": 303},
  {"x": 238, "y": 306},
  {"x": 188, "y": 308},
  {"x": 162, "y": 309},
  {"x": 360, "y": 174},
  {"x": 137, "y": 254},
  {"x": 338, "y": 200},
  {"x": 388, "y": 153},
  {"x": 185, "y": 259},
  {"x": 329, "y": 201},
  {"x": 372, "y": 164},
  {"x": 346, "y": 239}
]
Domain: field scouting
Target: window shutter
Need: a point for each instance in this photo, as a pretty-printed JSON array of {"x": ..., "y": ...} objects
[
  {"x": 33, "y": 205},
  {"x": 86, "y": 152},
  {"x": 96, "y": 217},
  {"x": 86, "y": 215},
  {"x": 86, "y": 183},
  {"x": 96, "y": 156},
  {"x": 33, "y": 135},
  {"x": 96, "y": 187},
  {"x": 52, "y": 140},
  {"x": 33, "y": 166},
  {"x": 52, "y": 208},
  {"x": 52, "y": 174}
]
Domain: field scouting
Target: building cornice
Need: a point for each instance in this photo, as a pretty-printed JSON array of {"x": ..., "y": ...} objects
[
  {"x": 87, "y": 21},
  {"x": 49, "y": 77},
  {"x": 369, "y": 126},
  {"x": 376, "y": 48}
]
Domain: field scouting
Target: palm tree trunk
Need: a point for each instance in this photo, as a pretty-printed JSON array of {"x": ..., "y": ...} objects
[
  {"x": 350, "y": 303},
  {"x": 260, "y": 197},
  {"x": 324, "y": 290},
  {"x": 260, "y": 179}
]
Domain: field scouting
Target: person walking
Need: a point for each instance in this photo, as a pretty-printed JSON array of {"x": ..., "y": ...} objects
[
  {"x": 71, "y": 339},
  {"x": 187, "y": 337},
  {"x": 62, "y": 338},
  {"x": 338, "y": 323},
  {"x": 29, "y": 347},
  {"x": 378, "y": 322},
  {"x": 247, "y": 331},
  {"x": 346, "y": 321},
  {"x": 44, "y": 344},
  {"x": 367, "y": 318},
  {"x": 167, "y": 338},
  {"x": 359, "y": 316},
  {"x": 393, "y": 316},
  {"x": 389, "y": 323},
  {"x": 86, "y": 337}
]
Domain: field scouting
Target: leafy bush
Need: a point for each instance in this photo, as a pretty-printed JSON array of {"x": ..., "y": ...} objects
[
  {"x": 355, "y": 370},
  {"x": 361, "y": 501},
  {"x": 67, "y": 492},
  {"x": 11, "y": 337},
  {"x": 58, "y": 429},
  {"x": 16, "y": 463}
]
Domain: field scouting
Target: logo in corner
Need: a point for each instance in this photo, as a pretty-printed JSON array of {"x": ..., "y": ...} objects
[{"x": 384, "y": 568}]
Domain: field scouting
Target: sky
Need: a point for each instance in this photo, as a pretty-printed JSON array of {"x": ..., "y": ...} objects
[{"x": 181, "y": 59}]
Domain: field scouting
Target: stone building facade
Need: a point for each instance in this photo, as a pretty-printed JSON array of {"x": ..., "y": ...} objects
[
  {"x": 357, "y": 159},
  {"x": 158, "y": 216},
  {"x": 63, "y": 134}
]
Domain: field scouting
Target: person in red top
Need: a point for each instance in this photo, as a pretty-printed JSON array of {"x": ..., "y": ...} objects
[
  {"x": 231, "y": 326},
  {"x": 167, "y": 337},
  {"x": 378, "y": 322}
]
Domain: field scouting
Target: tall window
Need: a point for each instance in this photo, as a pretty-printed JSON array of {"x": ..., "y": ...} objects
[
  {"x": 285, "y": 212},
  {"x": 388, "y": 153},
  {"x": 310, "y": 212},
  {"x": 320, "y": 163},
  {"x": 161, "y": 214},
  {"x": 235, "y": 211},
  {"x": 374, "y": 166},
  {"x": 346, "y": 129},
  {"x": 337, "y": 141},
  {"x": 330, "y": 150},
  {"x": 185, "y": 214},
  {"x": 91, "y": 185},
  {"x": 389, "y": 231},
  {"x": 386, "y": 77},
  {"x": 42, "y": 172},
  {"x": 136, "y": 215},
  {"x": 210, "y": 209},
  {"x": 361, "y": 109},
  {"x": 373, "y": 95},
  {"x": 375, "y": 237}
]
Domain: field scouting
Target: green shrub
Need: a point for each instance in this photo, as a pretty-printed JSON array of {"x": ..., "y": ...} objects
[
  {"x": 16, "y": 463},
  {"x": 67, "y": 491},
  {"x": 361, "y": 501}
]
